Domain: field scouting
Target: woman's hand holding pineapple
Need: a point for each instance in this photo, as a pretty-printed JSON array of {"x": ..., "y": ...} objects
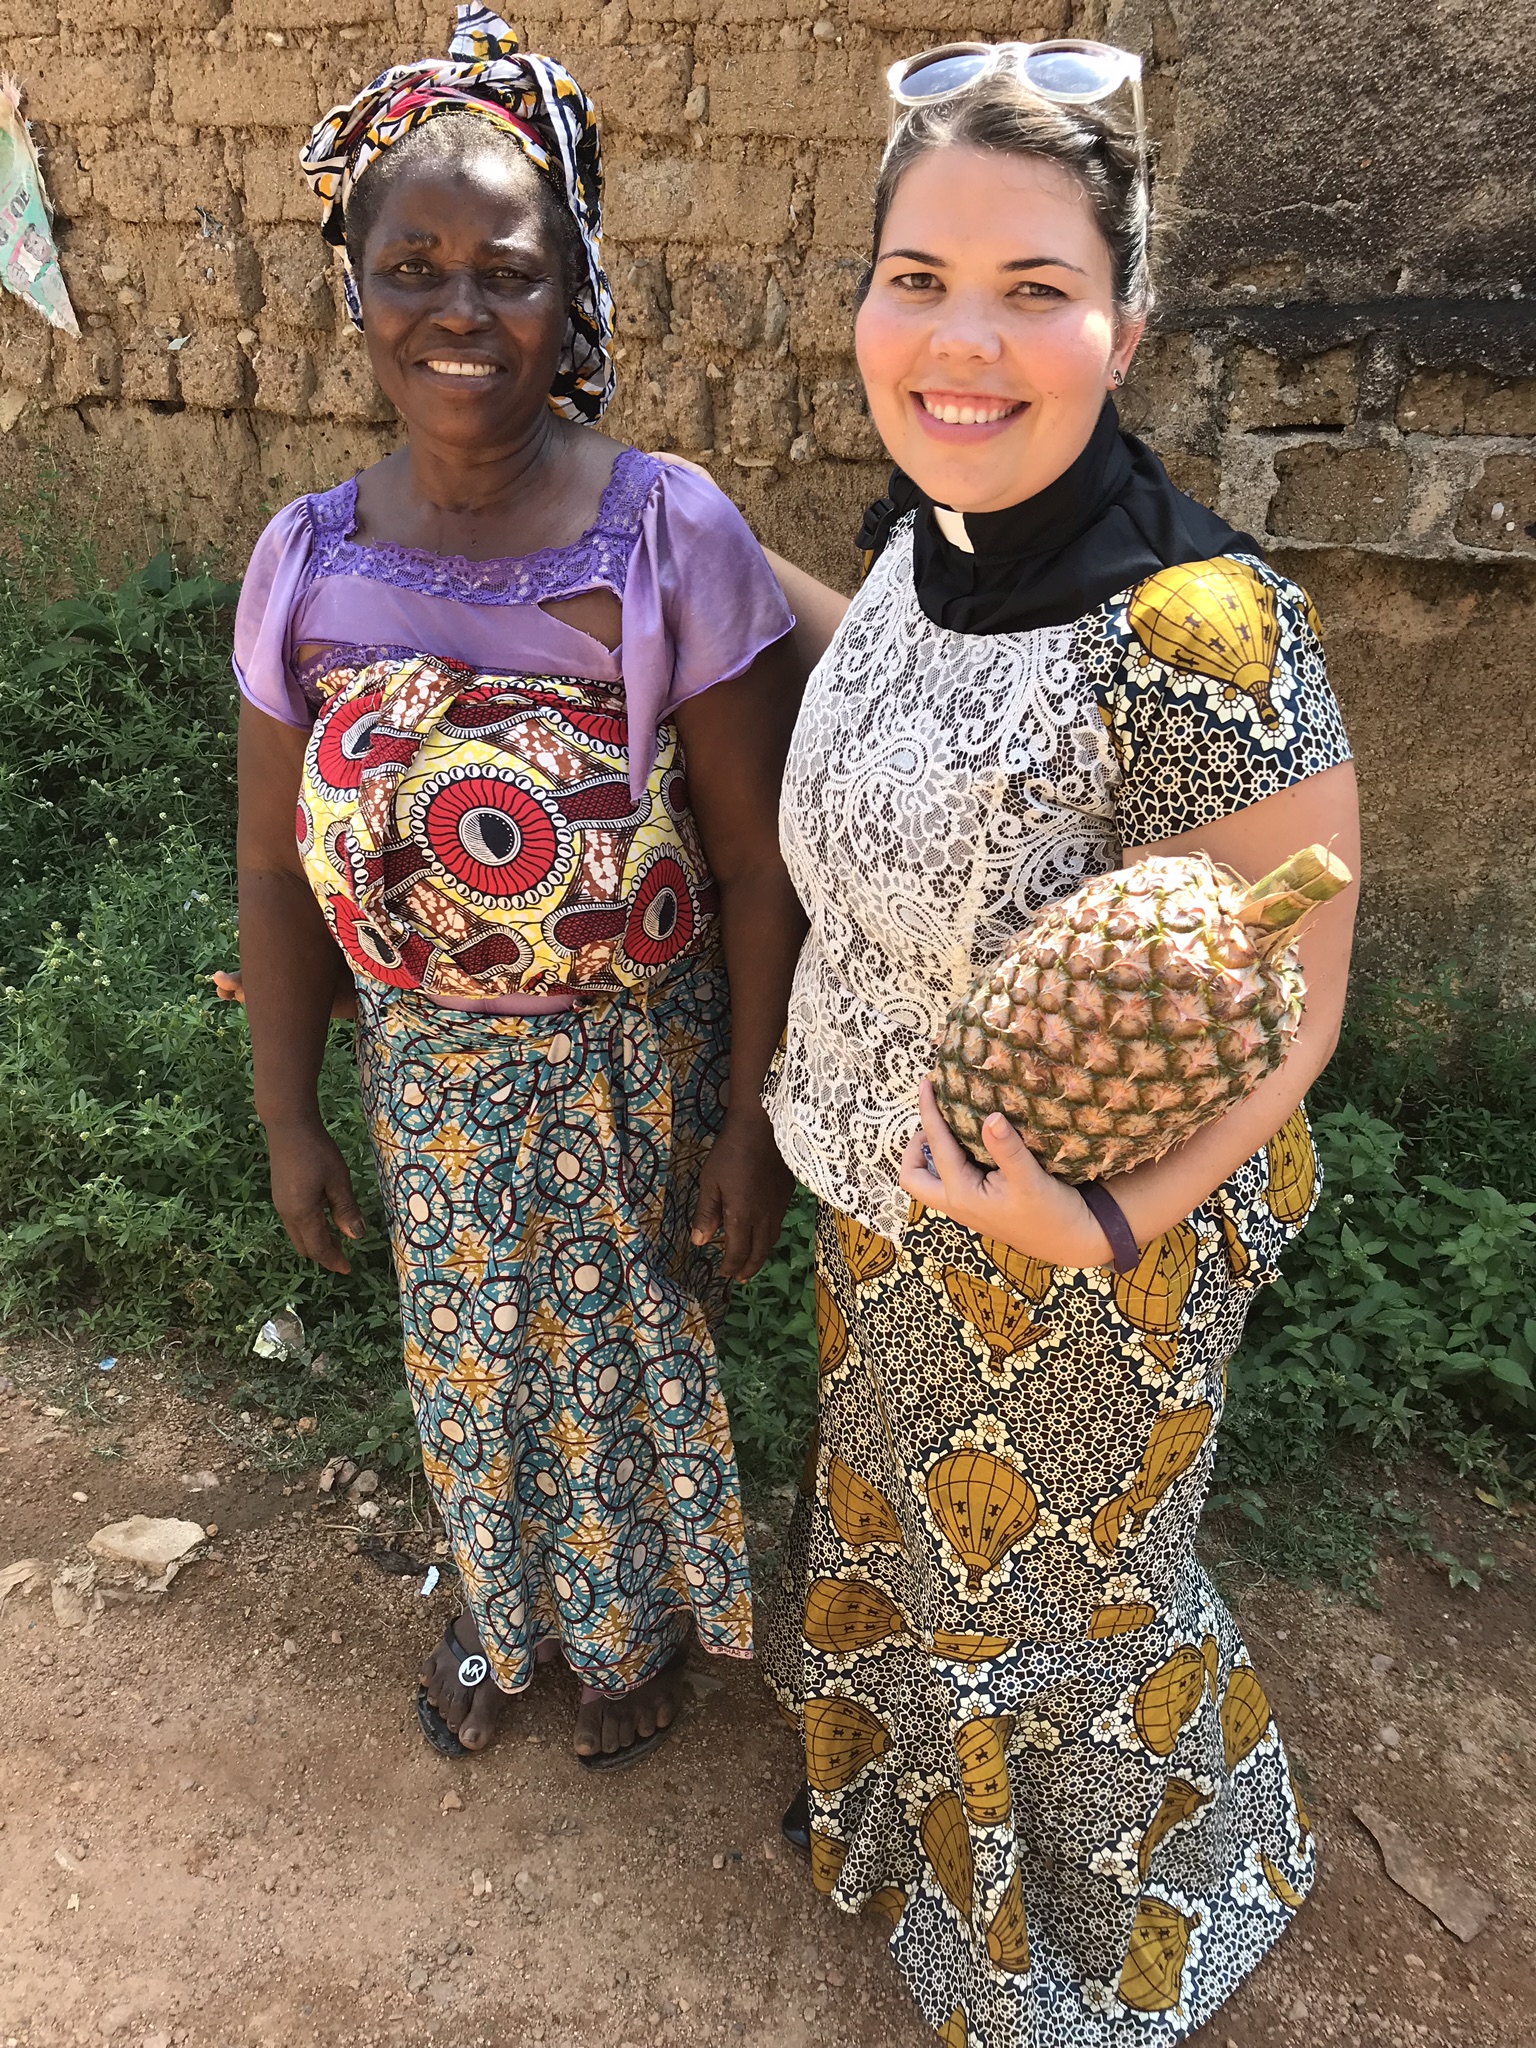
[
  {"x": 1019, "y": 1202},
  {"x": 1024, "y": 1206}
]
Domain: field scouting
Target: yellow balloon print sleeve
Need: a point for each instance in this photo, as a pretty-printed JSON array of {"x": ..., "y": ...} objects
[{"x": 1214, "y": 692}]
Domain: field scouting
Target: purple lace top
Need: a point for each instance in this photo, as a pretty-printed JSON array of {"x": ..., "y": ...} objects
[
  {"x": 699, "y": 604},
  {"x": 699, "y": 600}
]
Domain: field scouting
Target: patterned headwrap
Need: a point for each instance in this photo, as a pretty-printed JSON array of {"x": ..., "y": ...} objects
[{"x": 532, "y": 99}]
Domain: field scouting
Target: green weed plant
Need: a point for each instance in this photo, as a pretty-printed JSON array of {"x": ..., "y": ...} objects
[{"x": 133, "y": 1189}]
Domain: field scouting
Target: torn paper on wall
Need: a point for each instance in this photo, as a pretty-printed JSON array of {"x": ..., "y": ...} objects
[{"x": 29, "y": 262}]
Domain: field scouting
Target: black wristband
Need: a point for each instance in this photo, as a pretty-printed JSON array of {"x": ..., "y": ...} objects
[{"x": 1110, "y": 1217}]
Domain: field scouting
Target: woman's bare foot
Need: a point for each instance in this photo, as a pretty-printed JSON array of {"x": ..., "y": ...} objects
[
  {"x": 471, "y": 1712},
  {"x": 607, "y": 1723}
]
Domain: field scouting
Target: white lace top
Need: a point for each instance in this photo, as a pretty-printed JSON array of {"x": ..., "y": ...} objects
[{"x": 941, "y": 787}]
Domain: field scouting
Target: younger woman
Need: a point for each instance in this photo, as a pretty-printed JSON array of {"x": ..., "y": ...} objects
[{"x": 1033, "y": 1736}]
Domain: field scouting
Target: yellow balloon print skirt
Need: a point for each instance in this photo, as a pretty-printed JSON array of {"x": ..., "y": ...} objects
[{"x": 1033, "y": 1737}]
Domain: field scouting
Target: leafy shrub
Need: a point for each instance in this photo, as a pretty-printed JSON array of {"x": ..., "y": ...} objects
[
  {"x": 768, "y": 1354},
  {"x": 1402, "y": 1318},
  {"x": 1405, "y": 1317},
  {"x": 120, "y": 710},
  {"x": 1451, "y": 1071}
]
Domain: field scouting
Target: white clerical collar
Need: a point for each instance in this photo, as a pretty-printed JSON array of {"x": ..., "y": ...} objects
[{"x": 952, "y": 526}]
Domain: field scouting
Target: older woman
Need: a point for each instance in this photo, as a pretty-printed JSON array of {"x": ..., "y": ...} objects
[
  {"x": 475, "y": 676},
  {"x": 1034, "y": 1738}
]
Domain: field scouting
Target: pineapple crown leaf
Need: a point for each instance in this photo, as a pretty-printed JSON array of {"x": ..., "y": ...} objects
[{"x": 1280, "y": 903}]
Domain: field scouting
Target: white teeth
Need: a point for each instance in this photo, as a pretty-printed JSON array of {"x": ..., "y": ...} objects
[
  {"x": 964, "y": 415},
  {"x": 464, "y": 369}
]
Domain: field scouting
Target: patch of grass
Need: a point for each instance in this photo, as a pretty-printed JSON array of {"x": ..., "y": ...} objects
[
  {"x": 768, "y": 1356},
  {"x": 1326, "y": 1528},
  {"x": 133, "y": 1196}
]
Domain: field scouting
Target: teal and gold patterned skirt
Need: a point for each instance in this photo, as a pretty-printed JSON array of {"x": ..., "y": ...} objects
[
  {"x": 1033, "y": 1736},
  {"x": 539, "y": 1177}
]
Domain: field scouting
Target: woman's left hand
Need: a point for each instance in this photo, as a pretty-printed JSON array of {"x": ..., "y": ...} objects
[
  {"x": 229, "y": 987},
  {"x": 744, "y": 1189},
  {"x": 1018, "y": 1203}
]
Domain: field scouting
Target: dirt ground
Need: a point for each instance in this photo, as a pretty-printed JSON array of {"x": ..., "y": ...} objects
[{"x": 219, "y": 1827}]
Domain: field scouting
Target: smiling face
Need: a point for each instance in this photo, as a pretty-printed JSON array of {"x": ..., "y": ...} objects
[
  {"x": 465, "y": 297},
  {"x": 989, "y": 335}
]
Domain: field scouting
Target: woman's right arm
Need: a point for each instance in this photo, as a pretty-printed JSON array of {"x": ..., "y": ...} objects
[
  {"x": 818, "y": 610},
  {"x": 288, "y": 961}
]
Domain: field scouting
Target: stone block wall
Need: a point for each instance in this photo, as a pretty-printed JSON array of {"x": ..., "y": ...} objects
[{"x": 1343, "y": 358}]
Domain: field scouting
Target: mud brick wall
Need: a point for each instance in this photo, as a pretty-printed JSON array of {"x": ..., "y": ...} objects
[{"x": 1343, "y": 357}]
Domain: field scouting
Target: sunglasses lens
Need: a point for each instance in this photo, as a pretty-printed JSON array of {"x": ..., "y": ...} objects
[
  {"x": 1079, "y": 74},
  {"x": 945, "y": 72}
]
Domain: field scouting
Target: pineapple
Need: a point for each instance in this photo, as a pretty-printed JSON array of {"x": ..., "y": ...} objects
[{"x": 1133, "y": 1012}]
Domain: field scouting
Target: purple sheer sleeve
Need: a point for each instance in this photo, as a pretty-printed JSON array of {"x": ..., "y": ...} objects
[
  {"x": 274, "y": 582},
  {"x": 700, "y": 605}
]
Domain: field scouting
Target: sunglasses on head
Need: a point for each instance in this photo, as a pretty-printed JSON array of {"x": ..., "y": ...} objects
[{"x": 1070, "y": 73}]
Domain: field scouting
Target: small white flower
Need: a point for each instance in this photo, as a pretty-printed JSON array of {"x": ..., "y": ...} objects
[
  {"x": 1123, "y": 1590},
  {"x": 1100, "y": 1999},
  {"x": 1119, "y": 1865},
  {"x": 1035, "y": 1732}
]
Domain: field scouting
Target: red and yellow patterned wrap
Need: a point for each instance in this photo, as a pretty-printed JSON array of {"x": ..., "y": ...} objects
[{"x": 473, "y": 836}]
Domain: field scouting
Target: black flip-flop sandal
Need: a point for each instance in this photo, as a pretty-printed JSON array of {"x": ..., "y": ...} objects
[
  {"x": 632, "y": 1753},
  {"x": 473, "y": 1671},
  {"x": 796, "y": 1824}
]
